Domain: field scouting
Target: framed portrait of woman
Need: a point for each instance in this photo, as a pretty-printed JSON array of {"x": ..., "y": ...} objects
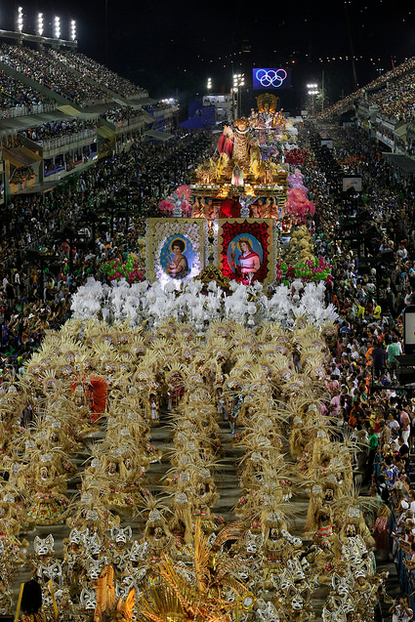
[{"x": 246, "y": 250}]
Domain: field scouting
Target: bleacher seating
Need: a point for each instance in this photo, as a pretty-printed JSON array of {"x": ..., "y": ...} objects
[{"x": 99, "y": 73}]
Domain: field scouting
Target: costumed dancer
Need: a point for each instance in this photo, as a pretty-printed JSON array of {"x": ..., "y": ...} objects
[{"x": 225, "y": 143}]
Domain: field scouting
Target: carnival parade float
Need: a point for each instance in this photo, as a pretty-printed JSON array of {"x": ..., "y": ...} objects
[
  {"x": 236, "y": 374},
  {"x": 241, "y": 196}
]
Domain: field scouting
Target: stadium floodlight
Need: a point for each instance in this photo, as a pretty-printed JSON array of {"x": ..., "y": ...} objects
[
  {"x": 20, "y": 19},
  {"x": 57, "y": 27},
  {"x": 312, "y": 91},
  {"x": 40, "y": 24},
  {"x": 73, "y": 30},
  {"x": 238, "y": 82}
]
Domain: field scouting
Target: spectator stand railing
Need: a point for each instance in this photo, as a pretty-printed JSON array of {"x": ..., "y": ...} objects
[{"x": 22, "y": 111}]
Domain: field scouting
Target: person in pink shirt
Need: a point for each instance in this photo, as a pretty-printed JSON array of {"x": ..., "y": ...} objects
[{"x": 405, "y": 422}]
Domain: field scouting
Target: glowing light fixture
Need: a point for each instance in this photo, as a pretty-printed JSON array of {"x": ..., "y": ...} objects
[
  {"x": 57, "y": 27},
  {"x": 40, "y": 24},
  {"x": 20, "y": 19},
  {"x": 73, "y": 30},
  {"x": 312, "y": 89},
  {"x": 238, "y": 80}
]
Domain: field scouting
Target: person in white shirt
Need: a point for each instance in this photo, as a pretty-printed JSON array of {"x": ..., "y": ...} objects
[
  {"x": 391, "y": 422},
  {"x": 411, "y": 500},
  {"x": 17, "y": 281},
  {"x": 402, "y": 252},
  {"x": 400, "y": 610}
]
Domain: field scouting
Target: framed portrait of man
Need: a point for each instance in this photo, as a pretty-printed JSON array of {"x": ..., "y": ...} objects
[
  {"x": 246, "y": 250},
  {"x": 175, "y": 248}
]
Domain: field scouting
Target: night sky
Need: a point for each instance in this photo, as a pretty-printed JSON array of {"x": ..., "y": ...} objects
[{"x": 173, "y": 47}]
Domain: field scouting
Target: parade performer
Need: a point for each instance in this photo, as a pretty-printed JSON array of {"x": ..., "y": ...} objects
[{"x": 225, "y": 143}]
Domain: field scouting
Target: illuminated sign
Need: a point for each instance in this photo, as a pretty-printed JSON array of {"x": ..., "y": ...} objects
[{"x": 271, "y": 78}]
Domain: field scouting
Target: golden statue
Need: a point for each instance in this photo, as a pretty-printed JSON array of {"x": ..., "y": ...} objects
[{"x": 267, "y": 103}]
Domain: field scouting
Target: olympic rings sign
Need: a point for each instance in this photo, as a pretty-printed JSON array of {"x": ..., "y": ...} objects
[{"x": 270, "y": 78}]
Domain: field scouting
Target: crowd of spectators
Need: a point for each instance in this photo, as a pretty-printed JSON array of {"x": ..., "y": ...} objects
[
  {"x": 15, "y": 94},
  {"x": 35, "y": 291},
  {"x": 99, "y": 73},
  {"x": 396, "y": 99},
  {"x": 22, "y": 174},
  {"x": 391, "y": 91},
  {"x": 57, "y": 129},
  {"x": 52, "y": 74},
  {"x": 119, "y": 114},
  {"x": 373, "y": 269}
]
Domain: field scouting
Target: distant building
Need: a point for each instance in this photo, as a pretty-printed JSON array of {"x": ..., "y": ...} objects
[{"x": 225, "y": 106}]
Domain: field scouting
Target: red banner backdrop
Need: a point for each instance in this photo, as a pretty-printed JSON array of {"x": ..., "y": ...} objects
[{"x": 259, "y": 230}]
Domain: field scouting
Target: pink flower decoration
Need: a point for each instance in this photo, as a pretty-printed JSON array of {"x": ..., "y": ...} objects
[
  {"x": 166, "y": 206},
  {"x": 183, "y": 192}
]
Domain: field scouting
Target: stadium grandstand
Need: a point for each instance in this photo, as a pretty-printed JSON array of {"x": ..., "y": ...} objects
[
  {"x": 385, "y": 109},
  {"x": 61, "y": 111}
]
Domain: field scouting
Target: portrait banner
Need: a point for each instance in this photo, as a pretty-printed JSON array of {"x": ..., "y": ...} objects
[
  {"x": 246, "y": 249},
  {"x": 175, "y": 248}
]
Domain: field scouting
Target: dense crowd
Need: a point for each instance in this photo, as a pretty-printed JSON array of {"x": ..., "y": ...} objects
[
  {"x": 15, "y": 94},
  {"x": 57, "y": 129},
  {"x": 59, "y": 71},
  {"x": 36, "y": 295},
  {"x": 99, "y": 73},
  {"x": 396, "y": 99},
  {"x": 52, "y": 74},
  {"x": 119, "y": 114},
  {"x": 371, "y": 290},
  {"x": 391, "y": 92}
]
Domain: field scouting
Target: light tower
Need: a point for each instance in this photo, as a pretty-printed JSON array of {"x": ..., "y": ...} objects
[
  {"x": 40, "y": 24},
  {"x": 57, "y": 27},
  {"x": 20, "y": 19},
  {"x": 312, "y": 91},
  {"x": 238, "y": 82},
  {"x": 73, "y": 30}
]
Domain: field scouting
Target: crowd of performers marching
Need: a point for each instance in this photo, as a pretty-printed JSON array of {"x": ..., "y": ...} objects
[{"x": 159, "y": 551}]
